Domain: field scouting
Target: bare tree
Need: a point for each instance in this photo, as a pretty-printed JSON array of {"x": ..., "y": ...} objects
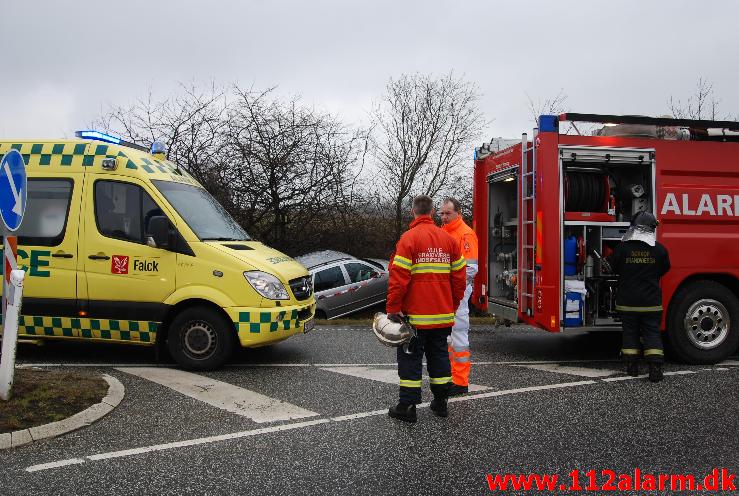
[
  {"x": 423, "y": 129},
  {"x": 701, "y": 105},
  {"x": 549, "y": 106},
  {"x": 286, "y": 165},
  {"x": 189, "y": 123}
]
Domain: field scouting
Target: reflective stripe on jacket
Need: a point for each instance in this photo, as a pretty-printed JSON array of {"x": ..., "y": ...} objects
[{"x": 427, "y": 276}]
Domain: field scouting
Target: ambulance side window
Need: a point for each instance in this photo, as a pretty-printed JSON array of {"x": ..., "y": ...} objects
[
  {"x": 123, "y": 210},
  {"x": 47, "y": 209}
]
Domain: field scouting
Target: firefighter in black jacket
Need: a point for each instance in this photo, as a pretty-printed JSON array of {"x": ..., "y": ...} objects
[{"x": 640, "y": 261}]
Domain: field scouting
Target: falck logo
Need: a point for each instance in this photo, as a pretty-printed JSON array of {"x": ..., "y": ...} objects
[{"x": 119, "y": 264}]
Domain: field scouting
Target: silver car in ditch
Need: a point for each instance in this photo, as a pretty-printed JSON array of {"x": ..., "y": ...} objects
[{"x": 344, "y": 284}]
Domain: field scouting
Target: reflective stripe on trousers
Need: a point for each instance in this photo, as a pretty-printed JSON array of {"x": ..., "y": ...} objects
[{"x": 459, "y": 342}]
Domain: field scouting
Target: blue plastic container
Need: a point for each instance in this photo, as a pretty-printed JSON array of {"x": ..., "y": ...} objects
[
  {"x": 573, "y": 318},
  {"x": 571, "y": 256}
]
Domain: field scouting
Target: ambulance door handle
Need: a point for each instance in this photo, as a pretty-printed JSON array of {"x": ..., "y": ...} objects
[
  {"x": 99, "y": 256},
  {"x": 61, "y": 254}
]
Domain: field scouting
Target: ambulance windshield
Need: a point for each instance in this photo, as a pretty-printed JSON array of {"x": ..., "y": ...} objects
[{"x": 205, "y": 216}]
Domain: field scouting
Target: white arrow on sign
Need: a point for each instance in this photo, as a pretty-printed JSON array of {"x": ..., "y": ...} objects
[{"x": 17, "y": 208}]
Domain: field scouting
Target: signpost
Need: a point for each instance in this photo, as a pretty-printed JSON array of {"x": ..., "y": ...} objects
[{"x": 13, "y": 198}]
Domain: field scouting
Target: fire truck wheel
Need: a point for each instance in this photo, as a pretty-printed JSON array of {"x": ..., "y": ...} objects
[
  {"x": 703, "y": 324},
  {"x": 200, "y": 338}
]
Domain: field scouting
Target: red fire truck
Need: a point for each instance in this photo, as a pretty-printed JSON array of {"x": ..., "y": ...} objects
[{"x": 546, "y": 209}]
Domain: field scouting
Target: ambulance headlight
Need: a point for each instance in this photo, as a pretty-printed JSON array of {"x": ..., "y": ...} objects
[{"x": 266, "y": 285}]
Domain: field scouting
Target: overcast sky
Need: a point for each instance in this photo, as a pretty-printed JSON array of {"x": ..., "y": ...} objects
[{"x": 64, "y": 61}]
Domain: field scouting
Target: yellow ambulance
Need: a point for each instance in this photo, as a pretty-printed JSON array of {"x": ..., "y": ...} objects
[{"x": 121, "y": 245}]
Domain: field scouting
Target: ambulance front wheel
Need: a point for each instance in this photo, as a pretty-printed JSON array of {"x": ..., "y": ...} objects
[
  {"x": 703, "y": 323},
  {"x": 200, "y": 338}
]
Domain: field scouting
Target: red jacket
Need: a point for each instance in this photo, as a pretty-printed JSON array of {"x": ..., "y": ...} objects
[{"x": 427, "y": 276}]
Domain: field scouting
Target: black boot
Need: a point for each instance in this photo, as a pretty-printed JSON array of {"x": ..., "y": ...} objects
[
  {"x": 456, "y": 390},
  {"x": 632, "y": 368},
  {"x": 655, "y": 372},
  {"x": 404, "y": 412},
  {"x": 439, "y": 407}
]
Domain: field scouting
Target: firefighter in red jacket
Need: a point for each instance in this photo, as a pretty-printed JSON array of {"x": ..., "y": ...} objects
[{"x": 427, "y": 283}]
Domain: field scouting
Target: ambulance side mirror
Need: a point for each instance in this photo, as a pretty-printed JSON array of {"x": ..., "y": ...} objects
[{"x": 158, "y": 232}]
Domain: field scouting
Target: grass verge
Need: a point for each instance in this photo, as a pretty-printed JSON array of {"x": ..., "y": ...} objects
[{"x": 43, "y": 396}]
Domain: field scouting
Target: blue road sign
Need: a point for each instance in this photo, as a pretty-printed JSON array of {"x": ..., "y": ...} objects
[{"x": 13, "y": 190}]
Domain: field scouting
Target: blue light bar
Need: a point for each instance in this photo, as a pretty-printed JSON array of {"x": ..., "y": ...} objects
[
  {"x": 98, "y": 136},
  {"x": 158, "y": 147}
]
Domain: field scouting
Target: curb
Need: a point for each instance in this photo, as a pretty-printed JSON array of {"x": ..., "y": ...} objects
[{"x": 116, "y": 391}]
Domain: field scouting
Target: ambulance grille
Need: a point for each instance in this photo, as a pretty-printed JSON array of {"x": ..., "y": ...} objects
[{"x": 302, "y": 287}]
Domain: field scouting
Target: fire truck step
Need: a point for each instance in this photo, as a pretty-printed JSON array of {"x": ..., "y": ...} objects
[
  {"x": 528, "y": 294},
  {"x": 528, "y": 197},
  {"x": 528, "y": 222}
]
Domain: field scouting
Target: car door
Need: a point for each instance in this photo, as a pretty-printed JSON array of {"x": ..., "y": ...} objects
[
  {"x": 126, "y": 279},
  {"x": 47, "y": 251},
  {"x": 330, "y": 284},
  {"x": 369, "y": 285}
]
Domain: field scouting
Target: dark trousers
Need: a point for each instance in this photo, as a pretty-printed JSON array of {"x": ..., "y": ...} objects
[
  {"x": 432, "y": 342},
  {"x": 642, "y": 330}
]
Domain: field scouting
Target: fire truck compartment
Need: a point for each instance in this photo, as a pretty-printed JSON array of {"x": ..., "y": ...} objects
[
  {"x": 601, "y": 190},
  {"x": 503, "y": 244}
]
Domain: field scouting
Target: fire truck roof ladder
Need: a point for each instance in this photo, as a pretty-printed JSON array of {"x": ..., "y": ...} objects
[{"x": 527, "y": 259}]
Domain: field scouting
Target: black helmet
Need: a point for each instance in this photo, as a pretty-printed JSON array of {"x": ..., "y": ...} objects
[{"x": 644, "y": 219}]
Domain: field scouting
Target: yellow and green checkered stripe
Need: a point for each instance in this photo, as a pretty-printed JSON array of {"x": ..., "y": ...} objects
[
  {"x": 77, "y": 327},
  {"x": 266, "y": 321},
  {"x": 85, "y": 155}
]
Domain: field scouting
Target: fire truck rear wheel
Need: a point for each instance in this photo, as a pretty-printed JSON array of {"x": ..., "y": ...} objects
[
  {"x": 703, "y": 325},
  {"x": 200, "y": 338}
]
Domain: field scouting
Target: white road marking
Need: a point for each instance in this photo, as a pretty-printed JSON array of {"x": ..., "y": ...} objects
[
  {"x": 566, "y": 369},
  {"x": 624, "y": 378},
  {"x": 283, "y": 427},
  {"x": 644, "y": 376},
  {"x": 536, "y": 362},
  {"x": 222, "y": 395},
  {"x": 730, "y": 362},
  {"x": 61, "y": 463},
  {"x": 306, "y": 364},
  {"x": 389, "y": 376}
]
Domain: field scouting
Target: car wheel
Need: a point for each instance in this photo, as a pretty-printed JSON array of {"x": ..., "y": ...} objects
[
  {"x": 703, "y": 324},
  {"x": 320, "y": 315},
  {"x": 200, "y": 338}
]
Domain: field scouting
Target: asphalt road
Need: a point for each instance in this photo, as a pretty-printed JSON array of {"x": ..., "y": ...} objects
[{"x": 547, "y": 404}]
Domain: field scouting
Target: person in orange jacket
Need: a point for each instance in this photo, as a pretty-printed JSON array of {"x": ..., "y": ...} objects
[
  {"x": 459, "y": 341},
  {"x": 427, "y": 282}
]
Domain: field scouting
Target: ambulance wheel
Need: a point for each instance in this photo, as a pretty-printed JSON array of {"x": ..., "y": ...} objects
[
  {"x": 703, "y": 323},
  {"x": 200, "y": 338}
]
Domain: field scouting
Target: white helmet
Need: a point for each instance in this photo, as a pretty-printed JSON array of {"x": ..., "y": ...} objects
[{"x": 391, "y": 333}]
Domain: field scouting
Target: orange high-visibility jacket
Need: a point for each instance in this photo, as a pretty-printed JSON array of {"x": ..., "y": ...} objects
[
  {"x": 465, "y": 236},
  {"x": 427, "y": 276}
]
